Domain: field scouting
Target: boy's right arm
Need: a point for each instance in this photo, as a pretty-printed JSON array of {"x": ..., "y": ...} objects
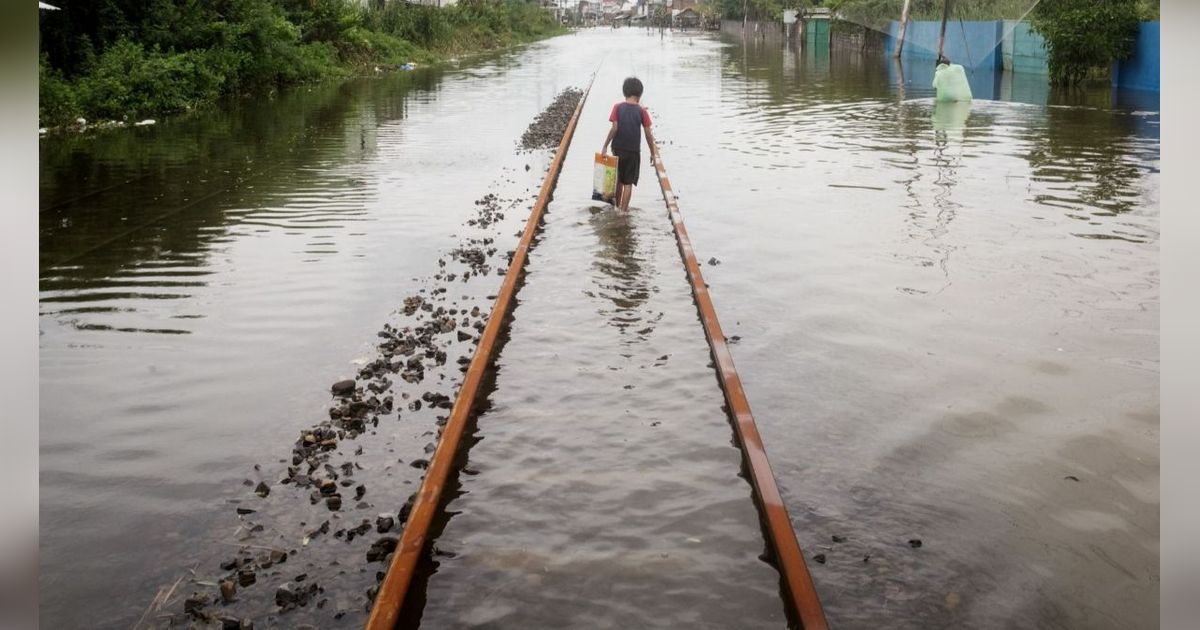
[{"x": 608, "y": 139}]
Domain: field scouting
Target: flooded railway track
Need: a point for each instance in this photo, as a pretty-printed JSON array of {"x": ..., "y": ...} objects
[{"x": 796, "y": 587}]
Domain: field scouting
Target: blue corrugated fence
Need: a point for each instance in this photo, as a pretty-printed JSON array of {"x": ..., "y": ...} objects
[
  {"x": 1140, "y": 72},
  {"x": 1008, "y": 45}
]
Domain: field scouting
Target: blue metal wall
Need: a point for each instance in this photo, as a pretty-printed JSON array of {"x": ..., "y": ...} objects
[
  {"x": 974, "y": 45},
  {"x": 1140, "y": 72},
  {"x": 1028, "y": 49},
  {"x": 1014, "y": 46}
]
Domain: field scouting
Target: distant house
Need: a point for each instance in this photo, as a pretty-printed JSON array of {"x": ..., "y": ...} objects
[
  {"x": 685, "y": 18},
  {"x": 588, "y": 10}
]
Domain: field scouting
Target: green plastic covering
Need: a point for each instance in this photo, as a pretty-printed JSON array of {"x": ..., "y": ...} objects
[{"x": 950, "y": 81}]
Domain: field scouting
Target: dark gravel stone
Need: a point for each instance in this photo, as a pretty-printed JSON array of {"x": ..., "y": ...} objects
[
  {"x": 195, "y": 604},
  {"x": 548, "y": 128},
  {"x": 381, "y": 548},
  {"x": 286, "y": 595},
  {"x": 263, "y": 489},
  {"x": 246, "y": 577},
  {"x": 344, "y": 388},
  {"x": 406, "y": 509},
  {"x": 915, "y": 543}
]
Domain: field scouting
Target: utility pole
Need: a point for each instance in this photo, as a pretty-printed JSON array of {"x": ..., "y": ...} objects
[
  {"x": 942, "y": 36},
  {"x": 903, "y": 29}
]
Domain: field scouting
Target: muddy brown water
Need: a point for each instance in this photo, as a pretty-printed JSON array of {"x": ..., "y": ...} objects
[{"x": 945, "y": 318}]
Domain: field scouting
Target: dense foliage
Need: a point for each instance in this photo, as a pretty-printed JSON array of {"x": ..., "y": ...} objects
[
  {"x": 1083, "y": 35},
  {"x": 133, "y": 58}
]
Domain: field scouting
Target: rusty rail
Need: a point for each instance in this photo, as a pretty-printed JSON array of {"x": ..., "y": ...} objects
[
  {"x": 409, "y": 550},
  {"x": 800, "y": 593}
]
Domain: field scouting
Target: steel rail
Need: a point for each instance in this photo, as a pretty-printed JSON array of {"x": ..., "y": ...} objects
[
  {"x": 413, "y": 540},
  {"x": 800, "y": 593}
]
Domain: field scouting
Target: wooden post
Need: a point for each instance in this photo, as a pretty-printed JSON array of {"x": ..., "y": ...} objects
[
  {"x": 903, "y": 29},
  {"x": 942, "y": 35}
]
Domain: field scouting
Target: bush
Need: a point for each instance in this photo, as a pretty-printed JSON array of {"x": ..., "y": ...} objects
[
  {"x": 1084, "y": 35},
  {"x": 56, "y": 97},
  {"x": 128, "y": 59},
  {"x": 127, "y": 82}
]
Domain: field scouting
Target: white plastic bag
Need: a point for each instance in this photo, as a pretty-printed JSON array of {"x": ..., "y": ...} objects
[
  {"x": 950, "y": 81},
  {"x": 604, "y": 177}
]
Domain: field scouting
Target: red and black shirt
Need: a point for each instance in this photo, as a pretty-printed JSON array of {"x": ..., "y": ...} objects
[{"x": 630, "y": 118}]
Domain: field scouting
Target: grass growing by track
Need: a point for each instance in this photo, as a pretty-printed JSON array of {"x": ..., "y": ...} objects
[{"x": 130, "y": 59}]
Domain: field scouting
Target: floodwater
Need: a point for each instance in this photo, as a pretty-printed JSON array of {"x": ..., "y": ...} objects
[
  {"x": 604, "y": 488},
  {"x": 946, "y": 322}
]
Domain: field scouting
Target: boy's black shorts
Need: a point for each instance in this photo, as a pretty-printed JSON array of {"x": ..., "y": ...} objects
[{"x": 629, "y": 164}]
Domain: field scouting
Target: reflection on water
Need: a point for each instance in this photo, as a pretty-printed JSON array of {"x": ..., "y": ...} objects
[
  {"x": 604, "y": 489},
  {"x": 939, "y": 307},
  {"x": 626, "y": 282},
  {"x": 203, "y": 281},
  {"x": 135, "y": 215}
]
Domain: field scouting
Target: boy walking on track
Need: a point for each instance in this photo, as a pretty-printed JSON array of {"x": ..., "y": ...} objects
[{"x": 628, "y": 118}]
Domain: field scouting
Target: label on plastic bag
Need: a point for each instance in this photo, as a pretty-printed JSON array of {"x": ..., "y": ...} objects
[{"x": 604, "y": 177}]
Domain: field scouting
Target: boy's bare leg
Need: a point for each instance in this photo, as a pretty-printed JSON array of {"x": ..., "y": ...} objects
[{"x": 626, "y": 193}]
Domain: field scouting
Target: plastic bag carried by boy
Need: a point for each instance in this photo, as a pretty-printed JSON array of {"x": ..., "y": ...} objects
[
  {"x": 950, "y": 81},
  {"x": 604, "y": 178}
]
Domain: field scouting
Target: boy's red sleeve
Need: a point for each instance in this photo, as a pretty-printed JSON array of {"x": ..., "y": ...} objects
[
  {"x": 645, "y": 118},
  {"x": 613, "y": 116}
]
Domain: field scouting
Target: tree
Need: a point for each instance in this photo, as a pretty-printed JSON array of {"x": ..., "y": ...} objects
[{"x": 1082, "y": 35}]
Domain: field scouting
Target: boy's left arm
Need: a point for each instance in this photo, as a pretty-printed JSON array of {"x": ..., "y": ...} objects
[{"x": 649, "y": 131}]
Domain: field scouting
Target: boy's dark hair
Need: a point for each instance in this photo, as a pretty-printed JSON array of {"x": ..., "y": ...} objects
[{"x": 632, "y": 87}]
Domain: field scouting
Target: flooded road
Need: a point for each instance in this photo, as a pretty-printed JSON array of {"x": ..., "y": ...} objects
[{"x": 946, "y": 324}]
